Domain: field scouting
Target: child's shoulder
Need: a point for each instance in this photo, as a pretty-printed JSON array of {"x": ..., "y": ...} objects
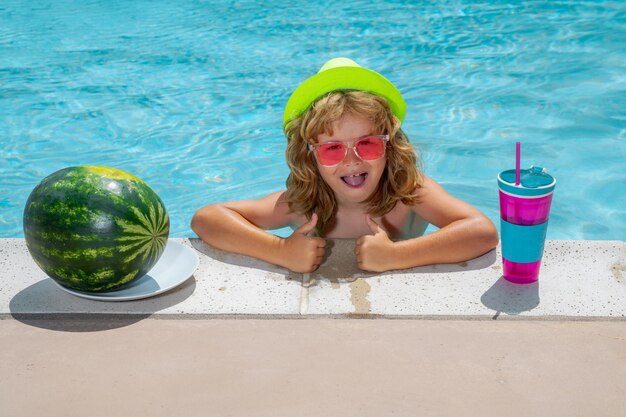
[
  {"x": 428, "y": 187},
  {"x": 278, "y": 204}
]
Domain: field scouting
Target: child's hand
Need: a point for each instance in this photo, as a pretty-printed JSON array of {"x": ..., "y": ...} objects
[
  {"x": 374, "y": 252},
  {"x": 303, "y": 253}
]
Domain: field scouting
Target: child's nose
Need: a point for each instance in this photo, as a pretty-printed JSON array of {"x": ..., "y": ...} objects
[{"x": 351, "y": 156}]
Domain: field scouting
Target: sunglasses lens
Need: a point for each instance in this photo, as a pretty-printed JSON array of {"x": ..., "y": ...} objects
[
  {"x": 331, "y": 153},
  {"x": 370, "y": 148}
]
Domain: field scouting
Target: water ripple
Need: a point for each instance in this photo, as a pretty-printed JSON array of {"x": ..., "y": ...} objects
[{"x": 189, "y": 95}]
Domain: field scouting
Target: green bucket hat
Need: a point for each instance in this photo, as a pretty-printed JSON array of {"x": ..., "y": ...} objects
[{"x": 342, "y": 74}]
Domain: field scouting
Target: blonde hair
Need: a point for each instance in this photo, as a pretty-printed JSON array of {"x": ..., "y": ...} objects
[{"x": 308, "y": 193}]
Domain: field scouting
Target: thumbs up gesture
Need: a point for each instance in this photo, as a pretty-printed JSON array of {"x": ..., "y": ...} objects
[
  {"x": 302, "y": 252},
  {"x": 374, "y": 252}
]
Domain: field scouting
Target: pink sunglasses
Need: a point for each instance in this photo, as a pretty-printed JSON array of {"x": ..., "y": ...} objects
[{"x": 368, "y": 148}]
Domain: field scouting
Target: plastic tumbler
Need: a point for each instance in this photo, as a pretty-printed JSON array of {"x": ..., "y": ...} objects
[{"x": 524, "y": 211}]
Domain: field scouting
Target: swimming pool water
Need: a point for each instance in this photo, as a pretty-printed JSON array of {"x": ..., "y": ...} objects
[{"x": 188, "y": 95}]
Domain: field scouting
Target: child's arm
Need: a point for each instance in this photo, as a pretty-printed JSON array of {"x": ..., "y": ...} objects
[
  {"x": 237, "y": 226},
  {"x": 464, "y": 233}
]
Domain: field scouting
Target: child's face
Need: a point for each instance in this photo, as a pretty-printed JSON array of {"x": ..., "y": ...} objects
[{"x": 353, "y": 180}]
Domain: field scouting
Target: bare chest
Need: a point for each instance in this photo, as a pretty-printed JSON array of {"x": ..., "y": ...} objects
[{"x": 400, "y": 223}]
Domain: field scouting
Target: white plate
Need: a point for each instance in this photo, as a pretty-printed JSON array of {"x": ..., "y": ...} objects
[{"x": 176, "y": 265}]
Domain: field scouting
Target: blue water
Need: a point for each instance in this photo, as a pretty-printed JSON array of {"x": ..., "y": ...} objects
[{"x": 188, "y": 95}]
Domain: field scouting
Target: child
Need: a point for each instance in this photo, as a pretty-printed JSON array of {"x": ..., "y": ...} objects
[{"x": 353, "y": 175}]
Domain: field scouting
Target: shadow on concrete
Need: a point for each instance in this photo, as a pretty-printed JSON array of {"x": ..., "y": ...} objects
[
  {"x": 45, "y": 305},
  {"x": 242, "y": 260},
  {"x": 341, "y": 266},
  {"x": 339, "y": 263},
  {"x": 481, "y": 262},
  {"x": 509, "y": 298},
  {"x": 79, "y": 322}
]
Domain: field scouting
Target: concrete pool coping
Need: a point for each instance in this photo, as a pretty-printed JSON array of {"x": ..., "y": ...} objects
[
  {"x": 426, "y": 342},
  {"x": 579, "y": 280}
]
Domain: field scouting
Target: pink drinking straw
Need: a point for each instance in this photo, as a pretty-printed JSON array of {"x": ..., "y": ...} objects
[{"x": 518, "y": 151}]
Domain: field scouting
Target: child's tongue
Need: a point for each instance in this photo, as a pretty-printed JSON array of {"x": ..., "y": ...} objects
[{"x": 354, "y": 180}]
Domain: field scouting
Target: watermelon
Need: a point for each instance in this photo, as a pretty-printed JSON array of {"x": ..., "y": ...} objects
[{"x": 95, "y": 228}]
